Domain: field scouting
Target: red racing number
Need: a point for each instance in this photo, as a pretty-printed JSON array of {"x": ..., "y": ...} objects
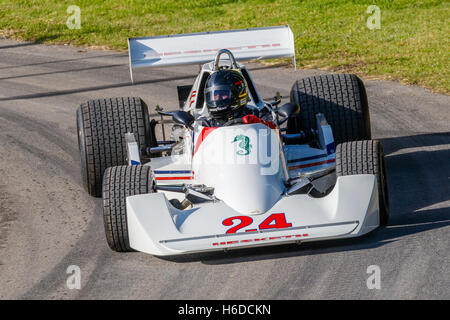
[
  {"x": 274, "y": 221},
  {"x": 245, "y": 221}
]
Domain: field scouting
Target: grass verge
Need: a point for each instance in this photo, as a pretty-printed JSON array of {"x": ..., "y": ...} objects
[{"x": 412, "y": 44}]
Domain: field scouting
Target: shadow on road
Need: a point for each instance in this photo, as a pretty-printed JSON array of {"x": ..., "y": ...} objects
[
  {"x": 63, "y": 71},
  {"x": 56, "y": 61},
  {"x": 94, "y": 88},
  {"x": 24, "y": 44},
  {"x": 418, "y": 182}
]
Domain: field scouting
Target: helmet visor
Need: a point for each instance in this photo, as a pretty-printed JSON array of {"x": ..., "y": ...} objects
[{"x": 218, "y": 97}]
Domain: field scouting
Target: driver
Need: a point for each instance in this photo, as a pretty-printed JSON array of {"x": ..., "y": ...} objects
[{"x": 226, "y": 99}]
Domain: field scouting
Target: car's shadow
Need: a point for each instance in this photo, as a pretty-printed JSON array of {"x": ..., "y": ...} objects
[
  {"x": 419, "y": 184},
  {"x": 112, "y": 67}
]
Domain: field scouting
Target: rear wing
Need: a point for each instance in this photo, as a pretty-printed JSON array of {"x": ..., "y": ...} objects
[{"x": 199, "y": 48}]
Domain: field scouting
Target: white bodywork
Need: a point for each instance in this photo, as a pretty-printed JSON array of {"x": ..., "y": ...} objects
[
  {"x": 156, "y": 227},
  {"x": 254, "y": 176},
  {"x": 249, "y": 188},
  {"x": 199, "y": 48}
]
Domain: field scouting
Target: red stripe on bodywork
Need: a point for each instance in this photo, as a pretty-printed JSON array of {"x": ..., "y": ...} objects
[
  {"x": 174, "y": 178},
  {"x": 249, "y": 119},
  {"x": 260, "y": 239},
  {"x": 213, "y": 50},
  {"x": 172, "y": 53},
  {"x": 202, "y": 136},
  {"x": 311, "y": 164}
]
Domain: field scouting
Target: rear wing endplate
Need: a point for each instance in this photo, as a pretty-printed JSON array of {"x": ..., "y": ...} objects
[{"x": 199, "y": 48}]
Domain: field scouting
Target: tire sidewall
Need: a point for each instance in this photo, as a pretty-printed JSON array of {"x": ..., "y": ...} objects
[
  {"x": 115, "y": 190},
  {"x": 383, "y": 189},
  {"x": 82, "y": 150},
  {"x": 147, "y": 128}
]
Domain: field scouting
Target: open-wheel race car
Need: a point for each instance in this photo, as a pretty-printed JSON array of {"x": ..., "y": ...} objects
[{"x": 237, "y": 171}]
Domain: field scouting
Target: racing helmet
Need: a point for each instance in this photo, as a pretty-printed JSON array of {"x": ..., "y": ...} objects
[{"x": 225, "y": 92}]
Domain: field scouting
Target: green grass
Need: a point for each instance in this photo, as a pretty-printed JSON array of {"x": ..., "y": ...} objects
[{"x": 412, "y": 45}]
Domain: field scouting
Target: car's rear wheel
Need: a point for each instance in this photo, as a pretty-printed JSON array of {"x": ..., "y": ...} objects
[
  {"x": 365, "y": 157},
  {"x": 119, "y": 183},
  {"x": 340, "y": 97},
  {"x": 102, "y": 125}
]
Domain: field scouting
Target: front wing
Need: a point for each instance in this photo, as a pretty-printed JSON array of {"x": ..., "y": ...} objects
[{"x": 156, "y": 227}]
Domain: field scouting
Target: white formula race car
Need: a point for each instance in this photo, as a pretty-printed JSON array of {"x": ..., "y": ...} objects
[{"x": 314, "y": 174}]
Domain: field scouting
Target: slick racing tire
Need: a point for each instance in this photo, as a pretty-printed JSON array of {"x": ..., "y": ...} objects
[
  {"x": 102, "y": 125},
  {"x": 341, "y": 98},
  {"x": 119, "y": 183},
  {"x": 365, "y": 157}
]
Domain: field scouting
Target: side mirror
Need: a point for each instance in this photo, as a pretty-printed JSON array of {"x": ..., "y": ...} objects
[
  {"x": 184, "y": 118},
  {"x": 287, "y": 110}
]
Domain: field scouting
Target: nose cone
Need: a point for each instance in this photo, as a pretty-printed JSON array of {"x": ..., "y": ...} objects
[
  {"x": 248, "y": 197},
  {"x": 243, "y": 165}
]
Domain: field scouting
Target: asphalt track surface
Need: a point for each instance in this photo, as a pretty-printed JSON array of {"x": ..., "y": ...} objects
[{"x": 48, "y": 222}]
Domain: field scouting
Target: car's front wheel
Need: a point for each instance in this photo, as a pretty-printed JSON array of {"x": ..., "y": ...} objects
[
  {"x": 102, "y": 125},
  {"x": 341, "y": 98},
  {"x": 119, "y": 183},
  {"x": 365, "y": 157}
]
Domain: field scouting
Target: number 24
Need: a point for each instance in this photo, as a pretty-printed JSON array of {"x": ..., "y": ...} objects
[{"x": 274, "y": 221}]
